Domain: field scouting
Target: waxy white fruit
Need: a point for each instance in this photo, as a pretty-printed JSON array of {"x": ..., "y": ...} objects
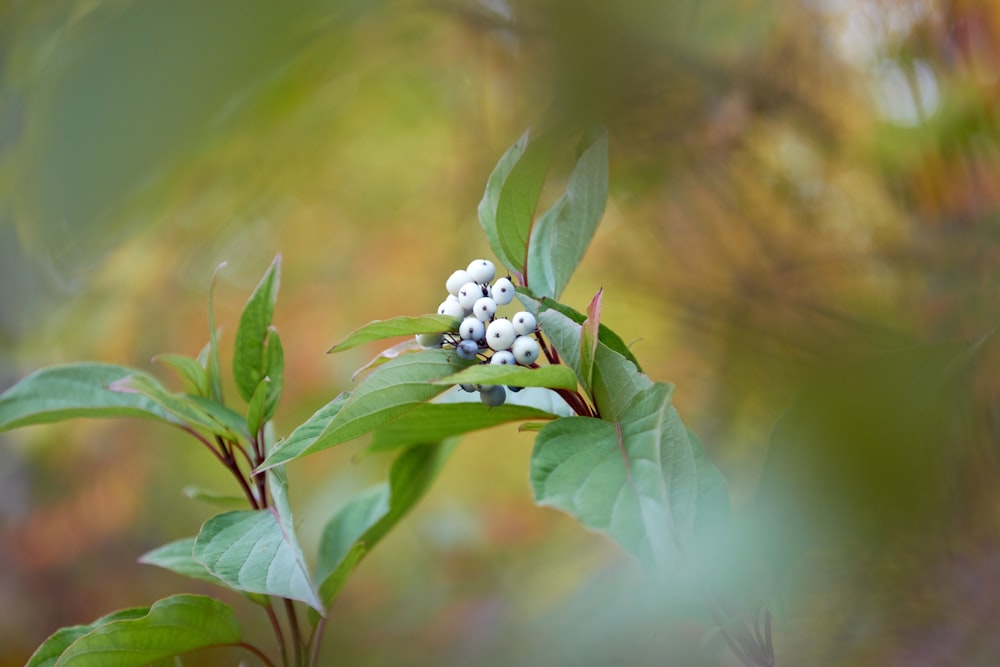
[
  {"x": 503, "y": 291},
  {"x": 525, "y": 350},
  {"x": 482, "y": 270},
  {"x": 500, "y": 334}
]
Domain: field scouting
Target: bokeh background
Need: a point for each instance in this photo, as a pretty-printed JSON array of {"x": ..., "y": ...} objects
[{"x": 795, "y": 186}]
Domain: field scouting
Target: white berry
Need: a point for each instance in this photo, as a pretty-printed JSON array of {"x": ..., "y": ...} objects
[
  {"x": 503, "y": 291},
  {"x": 452, "y": 309},
  {"x": 525, "y": 350},
  {"x": 456, "y": 280},
  {"x": 524, "y": 323},
  {"x": 469, "y": 294},
  {"x": 500, "y": 334},
  {"x": 503, "y": 358},
  {"x": 482, "y": 270},
  {"x": 484, "y": 308},
  {"x": 471, "y": 329}
]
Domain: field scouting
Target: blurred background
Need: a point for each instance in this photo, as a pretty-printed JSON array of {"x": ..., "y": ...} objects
[{"x": 801, "y": 235}]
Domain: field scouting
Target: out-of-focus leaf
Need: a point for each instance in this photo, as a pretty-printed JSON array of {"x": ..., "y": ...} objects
[
  {"x": 173, "y": 626},
  {"x": 389, "y": 392},
  {"x": 560, "y": 237},
  {"x": 249, "y": 354},
  {"x": 397, "y": 326},
  {"x": 58, "y": 393},
  {"x": 364, "y": 521}
]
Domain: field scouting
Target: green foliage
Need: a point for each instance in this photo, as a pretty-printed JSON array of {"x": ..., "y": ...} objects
[
  {"x": 624, "y": 464},
  {"x": 256, "y": 551},
  {"x": 432, "y": 422},
  {"x": 192, "y": 410},
  {"x": 191, "y": 371},
  {"x": 605, "y": 335},
  {"x": 553, "y": 377},
  {"x": 251, "y": 358},
  {"x": 560, "y": 237},
  {"x": 48, "y": 654},
  {"x": 59, "y": 393},
  {"x": 640, "y": 480},
  {"x": 361, "y": 523},
  {"x": 135, "y": 637},
  {"x": 388, "y": 392},
  {"x": 491, "y": 199},
  {"x": 397, "y": 326}
]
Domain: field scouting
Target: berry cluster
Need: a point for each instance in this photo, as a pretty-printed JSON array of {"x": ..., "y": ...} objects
[{"x": 481, "y": 334}]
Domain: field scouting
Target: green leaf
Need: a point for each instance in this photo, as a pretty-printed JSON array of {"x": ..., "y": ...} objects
[
  {"x": 364, "y": 521},
  {"x": 553, "y": 377},
  {"x": 491, "y": 197},
  {"x": 560, "y": 237},
  {"x": 387, "y": 393},
  {"x": 58, "y": 393},
  {"x": 589, "y": 340},
  {"x": 233, "y": 422},
  {"x": 52, "y": 648},
  {"x": 193, "y": 410},
  {"x": 178, "y": 557},
  {"x": 342, "y": 535},
  {"x": 249, "y": 356},
  {"x": 436, "y": 421},
  {"x": 191, "y": 372},
  {"x": 508, "y": 205},
  {"x": 605, "y": 334},
  {"x": 397, "y": 326},
  {"x": 256, "y": 407},
  {"x": 615, "y": 383},
  {"x": 257, "y": 551},
  {"x": 173, "y": 626},
  {"x": 564, "y": 334},
  {"x": 306, "y": 433},
  {"x": 519, "y": 199},
  {"x": 641, "y": 481},
  {"x": 213, "y": 367},
  {"x": 274, "y": 362}
]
